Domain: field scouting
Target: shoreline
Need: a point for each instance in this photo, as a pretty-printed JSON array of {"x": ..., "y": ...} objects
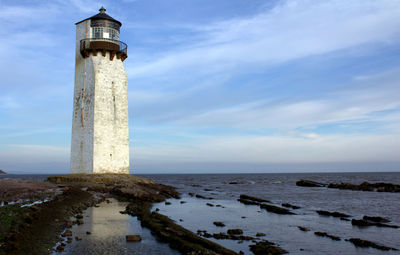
[
  {"x": 213, "y": 200},
  {"x": 25, "y": 232}
]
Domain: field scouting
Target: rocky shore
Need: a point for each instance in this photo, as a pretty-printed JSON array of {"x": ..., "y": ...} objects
[{"x": 37, "y": 215}]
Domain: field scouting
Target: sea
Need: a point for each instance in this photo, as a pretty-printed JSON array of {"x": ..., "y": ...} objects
[{"x": 108, "y": 227}]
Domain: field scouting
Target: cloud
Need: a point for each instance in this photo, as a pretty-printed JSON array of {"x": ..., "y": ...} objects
[
  {"x": 290, "y": 30},
  {"x": 365, "y": 100},
  {"x": 277, "y": 149}
]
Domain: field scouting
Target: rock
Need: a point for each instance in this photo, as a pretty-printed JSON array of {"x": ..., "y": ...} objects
[
  {"x": 365, "y": 243},
  {"x": 88, "y": 233},
  {"x": 67, "y": 233},
  {"x": 291, "y": 206},
  {"x": 77, "y": 238},
  {"x": 275, "y": 209},
  {"x": 360, "y": 223},
  {"x": 333, "y": 214},
  {"x": 183, "y": 202},
  {"x": 251, "y": 198},
  {"x": 203, "y": 197},
  {"x": 324, "y": 234},
  {"x": 79, "y": 222},
  {"x": 178, "y": 237},
  {"x": 235, "y": 231},
  {"x": 266, "y": 248},
  {"x": 157, "y": 209},
  {"x": 248, "y": 202},
  {"x": 308, "y": 183},
  {"x": 191, "y": 194},
  {"x": 69, "y": 224},
  {"x": 365, "y": 223},
  {"x": 69, "y": 239},
  {"x": 366, "y": 186},
  {"x": 167, "y": 202},
  {"x": 79, "y": 216},
  {"x": 209, "y": 204},
  {"x": 303, "y": 228},
  {"x": 60, "y": 248},
  {"x": 260, "y": 234},
  {"x": 219, "y": 224},
  {"x": 133, "y": 238},
  {"x": 376, "y": 219},
  {"x": 224, "y": 236},
  {"x": 123, "y": 212},
  {"x": 243, "y": 217}
]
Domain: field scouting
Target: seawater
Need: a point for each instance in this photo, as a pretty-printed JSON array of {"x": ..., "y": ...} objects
[{"x": 281, "y": 229}]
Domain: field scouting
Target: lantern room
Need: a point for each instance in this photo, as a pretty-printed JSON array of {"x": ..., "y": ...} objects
[{"x": 101, "y": 36}]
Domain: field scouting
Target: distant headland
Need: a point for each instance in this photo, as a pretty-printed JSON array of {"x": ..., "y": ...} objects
[{"x": 2, "y": 172}]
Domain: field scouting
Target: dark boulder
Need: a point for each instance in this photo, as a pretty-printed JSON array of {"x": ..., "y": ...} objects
[
  {"x": 303, "y": 228},
  {"x": 275, "y": 209},
  {"x": 266, "y": 248},
  {"x": 291, "y": 206},
  {"x": 219, "y": 224},
  {"x": 365, "y": 223},
  {"x": 333, "y": 214},
  {"x": 376, "y": 219},
  {"x": 235, "y": 231},
  {"x": 324, "y": 234},
  {"x": 308, "y": 183},
  {"x": 133, "y": 238},
  {"x": 256, "y": 199},
  {"x": 368, "y": 244}
]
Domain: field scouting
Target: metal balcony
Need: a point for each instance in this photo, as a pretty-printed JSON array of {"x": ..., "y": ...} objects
[{"x": 102, "y": 45}]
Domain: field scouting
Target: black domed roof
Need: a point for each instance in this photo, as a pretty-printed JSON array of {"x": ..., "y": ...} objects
[{"x": 101, "y": 15}]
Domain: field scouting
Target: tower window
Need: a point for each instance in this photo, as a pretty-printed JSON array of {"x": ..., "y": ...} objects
[{"x": 97, "y": 32}]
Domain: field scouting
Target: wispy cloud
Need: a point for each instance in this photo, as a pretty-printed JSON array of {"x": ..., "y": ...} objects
[{"x": 291, "y": 30}]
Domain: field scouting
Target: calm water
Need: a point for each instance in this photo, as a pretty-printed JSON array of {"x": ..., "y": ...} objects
[{"x": 282, "y": 229}]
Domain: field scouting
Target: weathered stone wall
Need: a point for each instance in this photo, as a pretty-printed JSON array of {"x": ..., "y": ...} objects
[
  {"x": 83, "y": 108},
  {"x": 111, "y": 132},
  {"x": 100, "y": 129}
]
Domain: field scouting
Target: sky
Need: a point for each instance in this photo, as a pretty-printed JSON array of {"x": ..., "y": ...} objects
[{"x": 215, "y": 86}]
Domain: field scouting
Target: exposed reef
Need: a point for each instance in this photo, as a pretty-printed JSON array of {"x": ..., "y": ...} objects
[
  {"x": 35, "y": 229},
  {"x": 266, "y": 247},
  {"x": 365, "y": 186},
  {"x": 368, "y": 244},
  {"x": 308, "y": 183},
  {"x": 178, "y": 237},
  {"x": 262, "y": 203},
  {"x": 333, "y": 214}
]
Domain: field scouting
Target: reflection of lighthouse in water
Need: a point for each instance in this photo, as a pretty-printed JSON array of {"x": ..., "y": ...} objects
[{"x": 100, "y": 131}]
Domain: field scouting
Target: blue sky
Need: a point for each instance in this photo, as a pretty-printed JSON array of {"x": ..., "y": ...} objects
[{"x": 214, "y": 86}]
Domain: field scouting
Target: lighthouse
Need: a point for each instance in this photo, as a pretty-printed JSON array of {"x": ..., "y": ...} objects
[{"x": 100, "y": 130}]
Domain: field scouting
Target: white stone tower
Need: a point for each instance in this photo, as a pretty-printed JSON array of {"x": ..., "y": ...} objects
[{"x": 100, "y": 131}]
